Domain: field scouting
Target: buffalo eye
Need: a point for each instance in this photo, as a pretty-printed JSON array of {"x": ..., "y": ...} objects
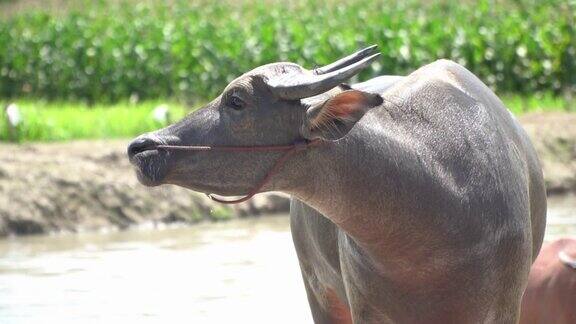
[{"x": 236, "y": 103}]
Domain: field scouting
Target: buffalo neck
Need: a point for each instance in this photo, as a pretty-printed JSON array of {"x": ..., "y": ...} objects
[{"x": 365, "y": 184}]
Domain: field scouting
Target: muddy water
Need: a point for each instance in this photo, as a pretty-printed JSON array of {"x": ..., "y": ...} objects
[{"x": 241, "y": 271}]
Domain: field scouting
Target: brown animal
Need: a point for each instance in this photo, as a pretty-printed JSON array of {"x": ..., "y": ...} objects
[{"x": 551, "y": 293}]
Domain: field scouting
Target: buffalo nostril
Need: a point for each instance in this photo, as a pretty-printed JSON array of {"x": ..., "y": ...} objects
[{"x": 141, "y": 144}]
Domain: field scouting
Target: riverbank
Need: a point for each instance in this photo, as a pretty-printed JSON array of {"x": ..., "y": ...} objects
[{"x": 89, "y": 185}]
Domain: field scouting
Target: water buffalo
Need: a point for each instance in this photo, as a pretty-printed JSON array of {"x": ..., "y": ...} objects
[
  {"x": 551, "y": 293},
  {"x": 415, "y": 199}
]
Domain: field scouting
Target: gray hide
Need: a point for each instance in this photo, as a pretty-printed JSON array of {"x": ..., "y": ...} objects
[{"x": 427, "y": 207}]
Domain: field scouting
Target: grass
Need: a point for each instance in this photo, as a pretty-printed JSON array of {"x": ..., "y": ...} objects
[
  {"x": 60, "y": 52},
  {"x": 49, "y": 121},
  {"x": 519, "y": 104}
]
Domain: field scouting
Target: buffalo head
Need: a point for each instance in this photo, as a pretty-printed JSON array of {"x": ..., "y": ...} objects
[{"x": 274, "y": 104}]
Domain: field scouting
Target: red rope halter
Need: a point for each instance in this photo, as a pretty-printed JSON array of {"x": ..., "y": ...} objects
[{"x": 289, "y": 149}]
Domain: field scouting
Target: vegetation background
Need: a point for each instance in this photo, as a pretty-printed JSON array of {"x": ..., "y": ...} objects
[{"x": 78, "y": 69}]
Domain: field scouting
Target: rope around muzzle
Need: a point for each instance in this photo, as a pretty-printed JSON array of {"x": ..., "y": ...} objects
[{"x": 289, "y": 149}]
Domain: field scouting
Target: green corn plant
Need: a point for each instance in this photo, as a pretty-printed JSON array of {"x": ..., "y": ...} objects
[{"x": 109, "y": 51}]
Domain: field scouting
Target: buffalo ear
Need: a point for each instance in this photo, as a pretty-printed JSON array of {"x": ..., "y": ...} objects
[{"x": 335, "y": 117}]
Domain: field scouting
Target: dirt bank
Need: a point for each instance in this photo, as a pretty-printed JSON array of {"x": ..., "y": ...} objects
[
  {"x": 86, "y": 185},
  {"x": 554, "y": 136}
]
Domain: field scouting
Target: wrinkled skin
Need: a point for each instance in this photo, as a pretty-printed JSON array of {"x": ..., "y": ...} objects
[
  {"x": 551, "y": 293},
  {"x": 426, "y": 206}
]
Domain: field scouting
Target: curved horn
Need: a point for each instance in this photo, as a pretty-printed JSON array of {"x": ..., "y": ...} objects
[
  {"x": 298, "y": 85},
  {"x": 352, "y": 58}
]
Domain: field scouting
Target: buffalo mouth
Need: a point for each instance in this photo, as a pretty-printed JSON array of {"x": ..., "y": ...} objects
[
  {"x": 150, "y": 162},
  {"x": 151, "y": 167}
]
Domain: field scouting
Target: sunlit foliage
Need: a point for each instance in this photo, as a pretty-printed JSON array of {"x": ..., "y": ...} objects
[{"x": 107, "y": 52}]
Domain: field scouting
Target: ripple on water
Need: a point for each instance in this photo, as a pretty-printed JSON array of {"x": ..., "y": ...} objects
[{"x": 242, "y": 271}]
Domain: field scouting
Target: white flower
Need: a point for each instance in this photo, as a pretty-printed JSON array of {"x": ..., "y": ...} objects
[
  {"x": 521, "y": 51},
  {"x": 405, "y": 52}
]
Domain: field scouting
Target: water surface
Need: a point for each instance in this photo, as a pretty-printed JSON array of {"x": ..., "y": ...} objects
[{"x": 242, "y": 271}]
